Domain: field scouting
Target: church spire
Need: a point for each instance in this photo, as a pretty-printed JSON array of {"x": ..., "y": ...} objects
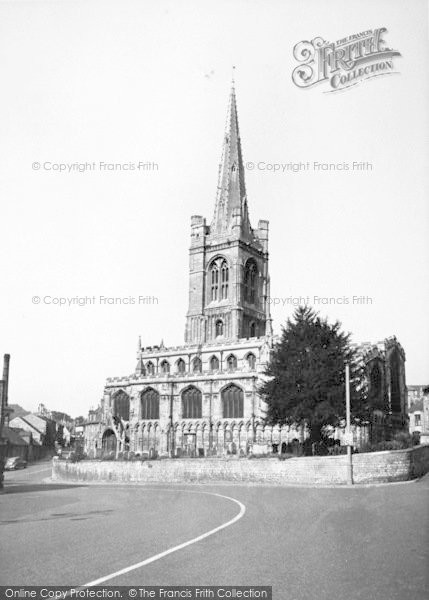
[{"x": 231, "y": 203}]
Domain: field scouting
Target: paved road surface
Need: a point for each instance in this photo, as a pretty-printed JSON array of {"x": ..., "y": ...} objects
[{"x": 359, "y": 543}]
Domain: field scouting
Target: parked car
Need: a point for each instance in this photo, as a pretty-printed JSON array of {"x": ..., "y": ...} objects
[{"x": 15, "y": 462}]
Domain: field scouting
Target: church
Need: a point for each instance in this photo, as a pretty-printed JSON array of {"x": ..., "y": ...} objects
[{"x": 201, "y": 398}]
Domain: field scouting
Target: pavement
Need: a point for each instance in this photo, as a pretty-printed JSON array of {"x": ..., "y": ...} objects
[{"x": 308, "y": 543}]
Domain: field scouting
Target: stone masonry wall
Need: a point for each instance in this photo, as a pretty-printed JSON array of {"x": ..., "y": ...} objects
[{"x": 376, "y": 467}]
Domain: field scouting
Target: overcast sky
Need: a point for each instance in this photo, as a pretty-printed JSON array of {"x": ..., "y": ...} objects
[{"x": 123, "y": 81}]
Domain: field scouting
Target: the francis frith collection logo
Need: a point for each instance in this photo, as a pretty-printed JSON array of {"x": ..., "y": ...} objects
[{"x": 343, "y": 63}]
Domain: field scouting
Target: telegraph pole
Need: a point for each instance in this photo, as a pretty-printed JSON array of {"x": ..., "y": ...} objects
[{"x": 348, "y": 429}]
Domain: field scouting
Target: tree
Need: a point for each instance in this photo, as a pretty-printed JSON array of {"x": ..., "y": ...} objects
[{"x": 306, "y": 375}]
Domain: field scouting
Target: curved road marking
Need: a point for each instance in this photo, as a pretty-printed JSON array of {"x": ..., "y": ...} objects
[{"x": 152, "y": 559}]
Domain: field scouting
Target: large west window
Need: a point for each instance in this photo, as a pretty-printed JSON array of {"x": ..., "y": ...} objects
[
  {"x": 232, "y": 402},
  {"x": 191, "y": 403},
  {"x": 149, "y": 404}
]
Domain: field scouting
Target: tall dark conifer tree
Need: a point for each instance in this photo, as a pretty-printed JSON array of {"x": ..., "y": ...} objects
[{"x": 306, "y": 375}]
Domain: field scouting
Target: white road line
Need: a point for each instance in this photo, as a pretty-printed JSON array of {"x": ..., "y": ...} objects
[{"x": 152, "y": 559}]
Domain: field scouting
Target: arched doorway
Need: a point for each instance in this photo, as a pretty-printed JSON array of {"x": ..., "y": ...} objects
[{"x": 109, "y": 441}]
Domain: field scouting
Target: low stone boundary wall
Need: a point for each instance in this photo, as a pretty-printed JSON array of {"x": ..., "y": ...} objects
[{"x": 374, "y": 467}]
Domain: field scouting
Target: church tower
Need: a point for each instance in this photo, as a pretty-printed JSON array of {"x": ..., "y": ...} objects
[{"x": 228, "y": 260}]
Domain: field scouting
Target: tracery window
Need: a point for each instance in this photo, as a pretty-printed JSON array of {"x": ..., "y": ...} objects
[
  {"x": 121, "y": 405},
  {"x": 232, "y": 402},
  {"x": 191, "y": 403},
  {"x": 149, "y": 401},
  {"x": 219, "y": 279}
]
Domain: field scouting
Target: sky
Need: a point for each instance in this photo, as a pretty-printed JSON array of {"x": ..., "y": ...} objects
[{"x": 90, "y": 82}]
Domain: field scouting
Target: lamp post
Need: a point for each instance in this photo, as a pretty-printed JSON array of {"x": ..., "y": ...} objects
[{"x": 348, "y": 430}]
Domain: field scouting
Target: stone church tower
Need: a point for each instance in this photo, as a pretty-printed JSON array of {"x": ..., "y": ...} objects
[{"x": 228, "y": 260}]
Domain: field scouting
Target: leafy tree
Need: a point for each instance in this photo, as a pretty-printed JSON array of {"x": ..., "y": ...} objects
[{"x": 306, "y": 375}]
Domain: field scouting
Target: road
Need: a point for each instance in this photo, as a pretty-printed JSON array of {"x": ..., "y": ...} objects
[{"x": 368, "y": 543}]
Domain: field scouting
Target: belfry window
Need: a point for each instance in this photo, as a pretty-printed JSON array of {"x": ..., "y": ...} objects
[
  {"x": 219, "y": 327},
  {"x": 250, "y": 273},
  {"x": 219, "y": 280}
]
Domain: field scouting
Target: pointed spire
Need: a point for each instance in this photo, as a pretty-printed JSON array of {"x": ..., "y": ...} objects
[{"x": 231, "y": 202}]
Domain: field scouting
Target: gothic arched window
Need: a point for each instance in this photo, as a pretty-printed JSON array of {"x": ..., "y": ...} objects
[
  {"x": 197, "y": 365},
  {"x": 231, "y": 362},
  {"x": 219, "y": 327},
  {"x": 149, "y": 401},
  {"x": 214, "y": 363},
  {"x": 165, "y": 367},
  {"x": 251, "y": 361},
  {"x": 121, "y": 405},
  {"x": 181, "y": 366},
  {"x": 252, "y": 329},
  {"x": 218, "y": 279},
  {"x": 191, "y": 403},
  {"x": 150, "y": 368},
  {"x": 232, "y": 402},
  {"x": 250, "y": 273}
]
